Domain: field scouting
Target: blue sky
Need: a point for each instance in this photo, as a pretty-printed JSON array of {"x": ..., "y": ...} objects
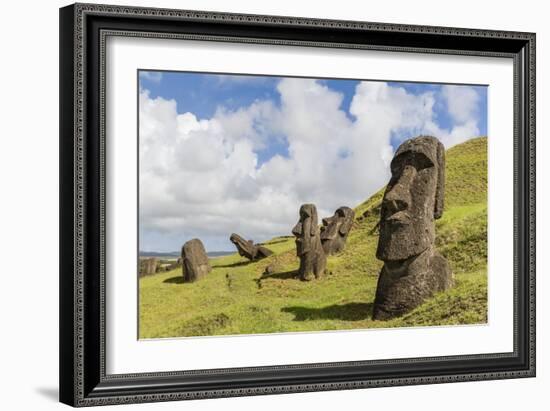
[
  {"x": 203, "y": 93},
  {"x": 234, "y": 135}
]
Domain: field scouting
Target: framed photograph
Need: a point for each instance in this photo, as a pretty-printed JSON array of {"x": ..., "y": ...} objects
[{"x": 262, "y": 204}]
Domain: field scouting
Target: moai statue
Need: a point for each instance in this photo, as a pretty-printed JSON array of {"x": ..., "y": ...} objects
[
  {"x": 313, "y": 260},
  {"x": 195, "y": 261},
  {"x": 248, "y": 249},
  {"x": 148, "y": 266},
  {"x": 413, "y": 269},
  {"x": 335, "y": 230}
]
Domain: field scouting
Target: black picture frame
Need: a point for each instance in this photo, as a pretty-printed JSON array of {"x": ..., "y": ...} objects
[{"x": 83, "y": 29}]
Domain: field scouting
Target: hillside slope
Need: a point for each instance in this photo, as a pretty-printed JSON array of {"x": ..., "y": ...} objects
[{"x": 236, "y": 298}]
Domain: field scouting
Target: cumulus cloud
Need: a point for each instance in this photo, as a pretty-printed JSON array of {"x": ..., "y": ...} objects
[
  {"x": 462, "y": 104},
  {"x": 202, "y": 177},
  {"x": 153, "y": 76}
]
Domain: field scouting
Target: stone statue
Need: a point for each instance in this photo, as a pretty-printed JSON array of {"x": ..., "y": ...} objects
[
  {"x": 413, "y": 269},
  {"x": 148, "y": 266},
  {"x": 313, "y": 260},
  {"x": 335, "y": 230},
  {"x": 195, "y": 261},
  {"x": 248, "y": 249}
]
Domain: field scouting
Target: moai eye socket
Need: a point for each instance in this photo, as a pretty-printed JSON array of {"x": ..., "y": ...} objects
[{"x": 417, "y": 160}]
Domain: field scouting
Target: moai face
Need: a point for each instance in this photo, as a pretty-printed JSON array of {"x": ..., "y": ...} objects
[
  {"x": 241, "y": 243},
  {"x": 313, "y": 260},
  {"x": 413, "y": 199},
  {"x": 235, "y": 239},
  {"x": 335, "y": 230},
  {"x": 306, "y": 231}
]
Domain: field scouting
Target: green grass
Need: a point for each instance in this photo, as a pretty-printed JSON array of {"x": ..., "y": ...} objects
[{"x": 236, "y": 298}]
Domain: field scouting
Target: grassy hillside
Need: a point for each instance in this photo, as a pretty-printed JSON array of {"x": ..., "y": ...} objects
[{"x": 236, "y": 298}]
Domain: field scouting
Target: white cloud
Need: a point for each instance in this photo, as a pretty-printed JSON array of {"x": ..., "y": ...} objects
[
  {"x": 462, "y": 102},
  {"x": 202, "y": 178},
  {"x": 462, "y": 106},
  {"x": 153, "y": 76}
]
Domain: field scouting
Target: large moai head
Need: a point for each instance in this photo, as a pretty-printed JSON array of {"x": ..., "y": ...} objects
[
  {"x": 248, "y": 249},
  {"x": 195, "y": 261},
  {"x": 413, "y": 199},
  {"x": 306, "y": 230},
  {"x": 245, "y": 248},
  {"x": 335, "y": 230}
]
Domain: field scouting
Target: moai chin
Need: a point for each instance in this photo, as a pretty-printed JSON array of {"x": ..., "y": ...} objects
[
  {"x": 248, "y": 249},
  {"x": 195, "y": 261},
  {"x": 413, "y": 269},
  {"x": 335, "y": 230},
  {"x": 313, "y": 260}
]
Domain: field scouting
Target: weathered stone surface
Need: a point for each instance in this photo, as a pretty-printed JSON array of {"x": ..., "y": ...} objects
[
  {"x": 413, "y": 270},
  {"x": 313, "y": 260},
  {"x": 335, "y": 230},
  {"x": 404, "y": 285},
  {"x": 148, "y": 266},
  {"x": 195, "y": 261},
  {"x": 248, "y": 249},
  {"x": 262, "y": 252}
]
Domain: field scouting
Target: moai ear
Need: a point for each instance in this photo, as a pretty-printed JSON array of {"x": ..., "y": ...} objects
[
  {"x": 313, "y": 228},
  {"x": 440, "y": 189}
]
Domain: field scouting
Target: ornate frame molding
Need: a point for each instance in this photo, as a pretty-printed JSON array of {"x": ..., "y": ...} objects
[{"x": 82, "y": 336}]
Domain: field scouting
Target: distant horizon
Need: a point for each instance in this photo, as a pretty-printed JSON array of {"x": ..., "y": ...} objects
[
  {"x": 178, "y": 252},
  {"x": 234, "y": 250},
  {"x": 241, "y": 153}
]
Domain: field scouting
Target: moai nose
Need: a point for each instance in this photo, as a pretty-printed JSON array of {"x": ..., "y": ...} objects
[
  {"x": 297, "y": 230},
  {"x": 398, "y": 198}
]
